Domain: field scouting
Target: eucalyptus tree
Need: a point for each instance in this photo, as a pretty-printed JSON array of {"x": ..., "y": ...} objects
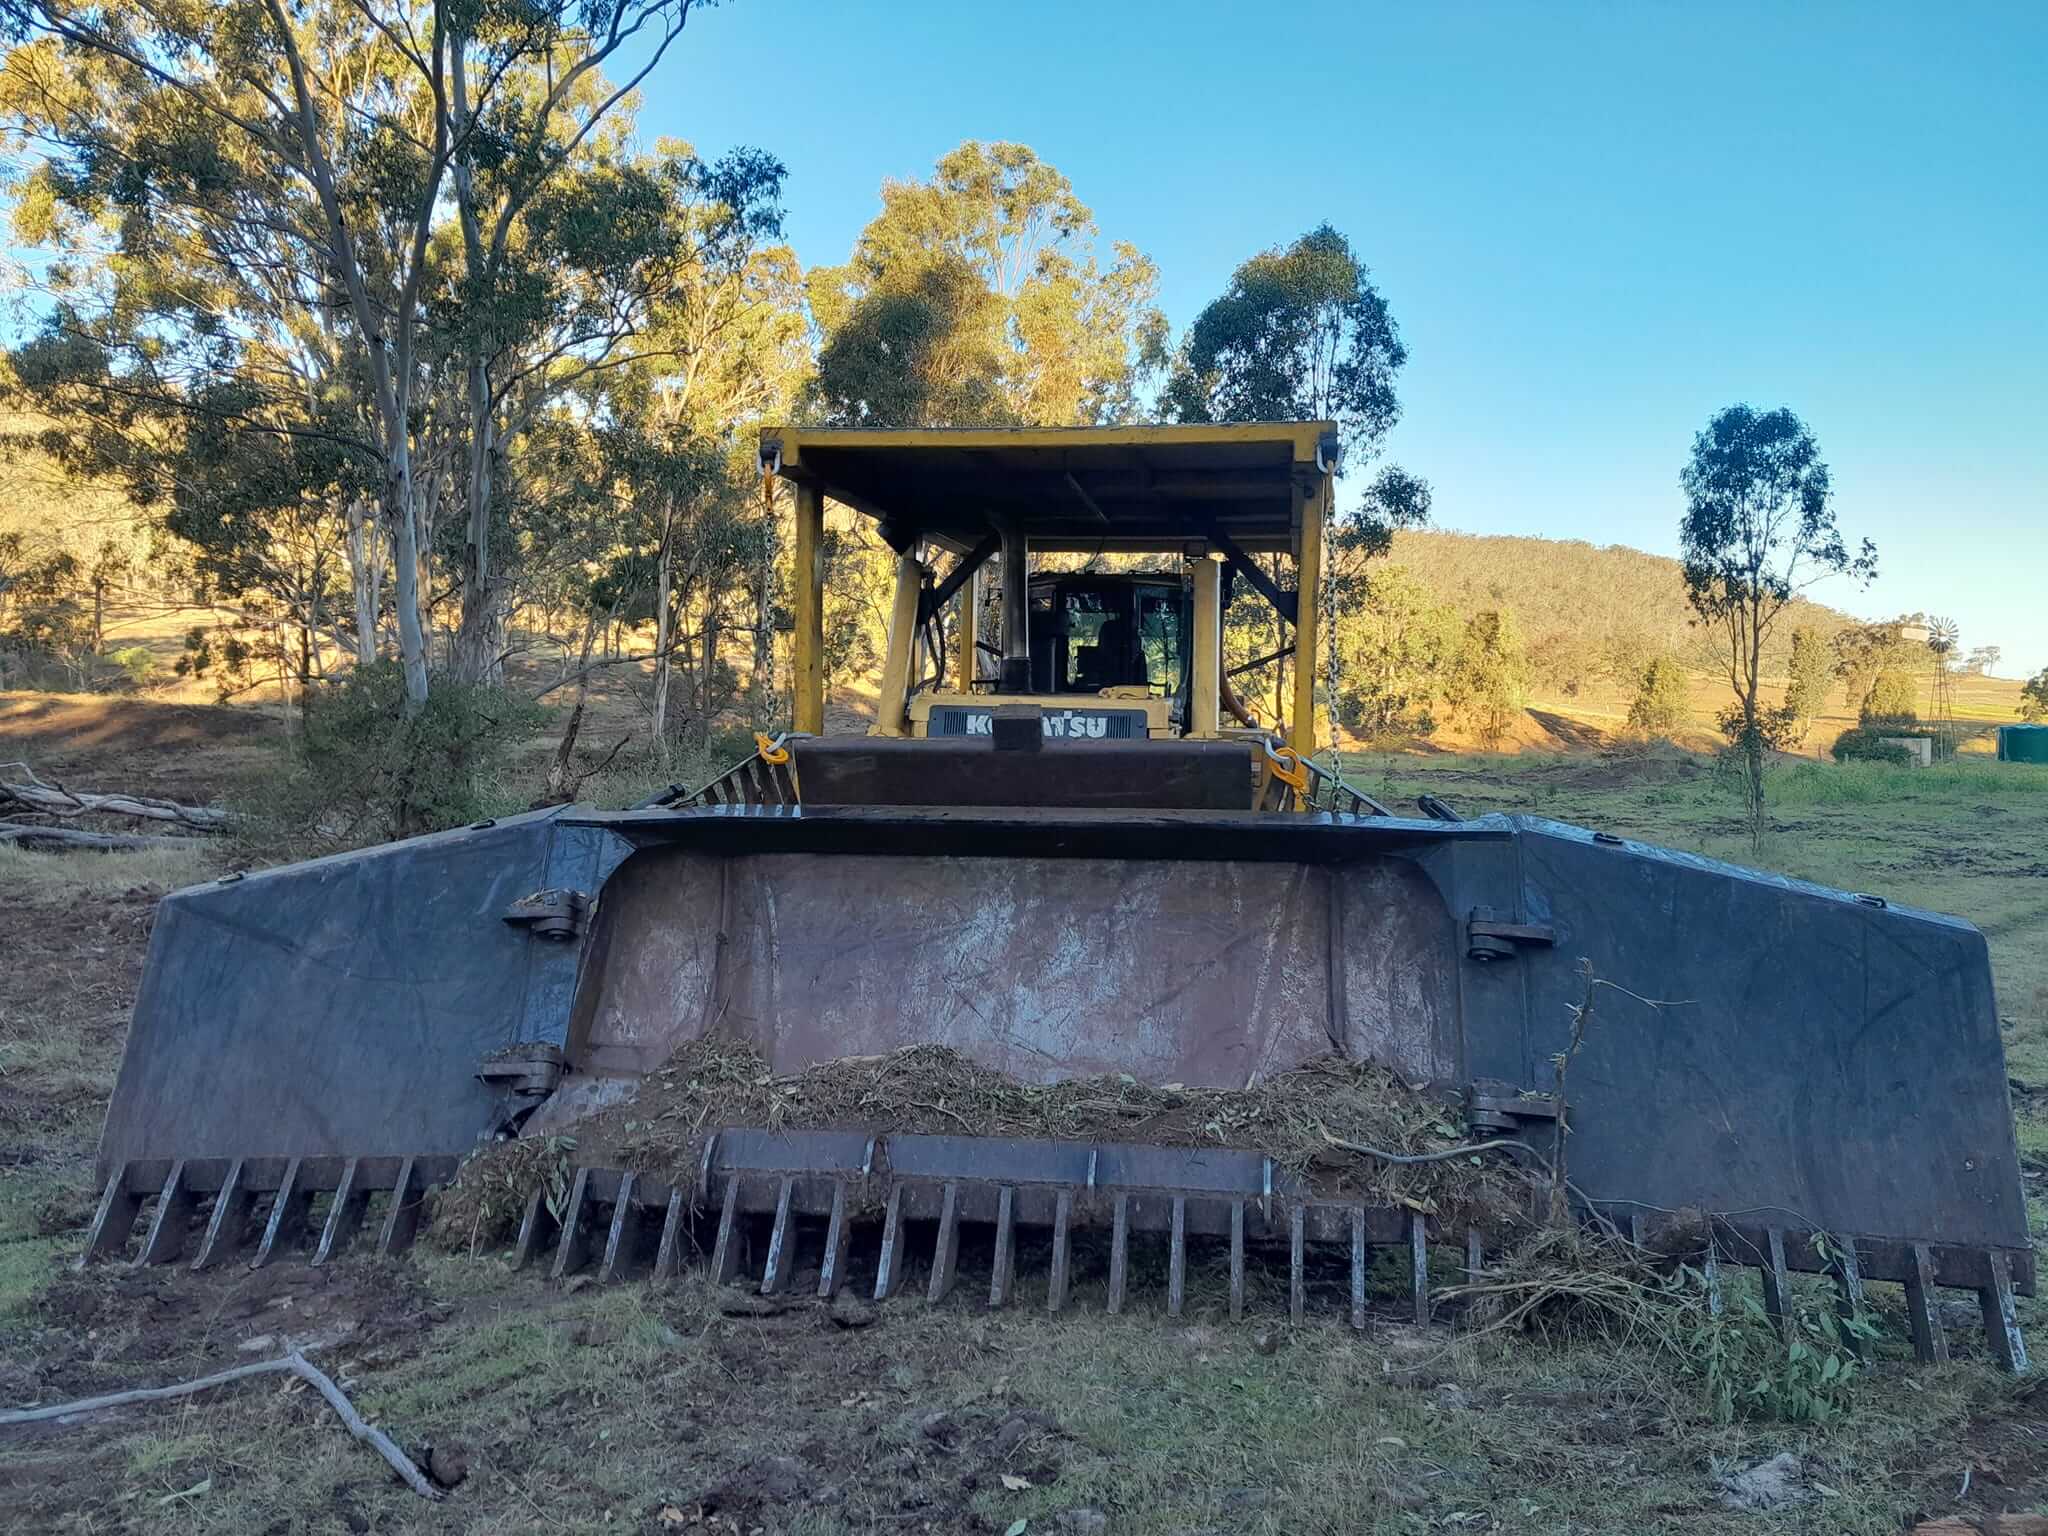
[
  {"x": 1301, "y": 333},
  {"x": 287, "y": 169},
  {"x": 1758, "y": 527},
  {"x": 984, "y": 296}
]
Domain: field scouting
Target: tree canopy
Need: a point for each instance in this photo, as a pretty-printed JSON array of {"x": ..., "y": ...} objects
[
  {"x": 982, "y": 297},
  {"x": 1301, "y": 334}
]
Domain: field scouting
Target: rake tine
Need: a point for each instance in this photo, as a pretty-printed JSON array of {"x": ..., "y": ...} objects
[
  {"x": 533, "y": 1229},
  {"x": 167, "y": 1227},
  {"x": 574, "y": 1246},
  {"x": 725, "y": 1253},
  {"x": 1710, "y": 1271},
  {"x": 1475, "y": 1255},
  {"x": 1006, "y": 1249},
  {"x": 1930, "y": 1341},
  {"x": 114, "y": 1219},
  {"x": 2001, "y": 1319},
  {"x": 946, "y": 1252},
  {"x": 1237, "y": 1261},
  {"x": 345, "y": 1214},
  {"x": 1297, "y": 1281},
  {"x": 618, "y": 1245},
  {"x": 1358, "y": 1266},
  {"x": 780, "y": 1240},
  {"x": 668, "y": 1252},
  {"x": 1177, "y": 1258},
  {"x": 403, "y": 1219},
  {"x": 224, "y": 1226},
  {"x": 1119, "y": 1253},
  {"x": 1777, "y": 1293},
  {"x": 1418, "y": 1265},
  {"x": 1849, "y": 1291},
  {"x": 1062, "y": 1217},
  {"x": 889, "y": 1271},
  {"x": 287, "y": 1214},
  {"x": 838, "y": 1232}
]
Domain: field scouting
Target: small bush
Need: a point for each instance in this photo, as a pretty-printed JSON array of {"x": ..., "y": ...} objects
[
  {"x": 1661, "y": 703},
  {"x": 136, "y": 663},
  {"x": 1890, "y": 699},
  {"x": 1867, "y": 746},
  {"x": 1750, "y": 1372},
  {"x": 365, "y": 771}
]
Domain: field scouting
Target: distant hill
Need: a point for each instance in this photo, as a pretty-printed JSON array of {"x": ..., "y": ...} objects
[{"x": 1579, "y": 604}]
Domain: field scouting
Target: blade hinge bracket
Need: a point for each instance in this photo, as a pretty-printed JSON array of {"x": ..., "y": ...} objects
[
  {"x": 557, "y": 914},
  {"x": 1502, "y": 1108},
  {"x": 530, "y": 1067}
]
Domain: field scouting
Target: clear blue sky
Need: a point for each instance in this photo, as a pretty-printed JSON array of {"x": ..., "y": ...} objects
[{"x": 1595, "y": 223}]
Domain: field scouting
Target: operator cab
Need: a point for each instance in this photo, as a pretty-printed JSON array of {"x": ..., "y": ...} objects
[
  {"x": 1101, "y": 656},
  {"x": 1094, "y": 633}
]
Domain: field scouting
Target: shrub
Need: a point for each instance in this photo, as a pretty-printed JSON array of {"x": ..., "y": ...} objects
[
  {"x": 1867, "y": 746},
  {"x": 2034, "y": 697},
  {"x": 1890, "y": 699},
  {"x": 1660, "y": 702},
  {"x": 361, "y": 755},
  {"x": 136, "y": 663}
]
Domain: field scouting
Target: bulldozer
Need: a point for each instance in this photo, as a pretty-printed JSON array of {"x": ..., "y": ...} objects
[{"x": 1064, "y": 848}]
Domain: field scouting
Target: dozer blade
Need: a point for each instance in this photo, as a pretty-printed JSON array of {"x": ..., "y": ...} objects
[{"x": 1818, "y": 1063}]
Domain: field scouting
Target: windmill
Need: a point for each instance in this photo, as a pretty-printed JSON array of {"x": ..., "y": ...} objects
[{"x": 1944, "y": 640}]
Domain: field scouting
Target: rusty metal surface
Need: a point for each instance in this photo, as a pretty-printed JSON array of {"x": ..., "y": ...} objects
[
  {"x": 1824, "y": 1062},
  {"x": 1201, "y": 972}
]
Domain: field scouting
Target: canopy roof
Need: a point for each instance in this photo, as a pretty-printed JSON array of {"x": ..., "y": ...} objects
[{"x": 1082, "y": 488}]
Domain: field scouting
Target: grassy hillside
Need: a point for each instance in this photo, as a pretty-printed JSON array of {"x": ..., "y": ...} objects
[{"x": 1575, "y": 599}]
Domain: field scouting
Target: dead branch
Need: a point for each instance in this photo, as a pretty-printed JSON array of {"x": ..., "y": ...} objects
[
  {"x": 71, "y": 839},
  {"x": 30, "y": 794},
  {"x": 293, "y": 1364}
]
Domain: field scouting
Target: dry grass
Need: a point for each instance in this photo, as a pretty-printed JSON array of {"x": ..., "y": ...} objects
[
  {"x": 1314, "y": 1121},
  {"x": 96, "y": 876}
]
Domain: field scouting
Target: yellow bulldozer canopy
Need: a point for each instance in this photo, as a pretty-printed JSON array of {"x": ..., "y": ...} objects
[{"x": 1084, "y": 488}]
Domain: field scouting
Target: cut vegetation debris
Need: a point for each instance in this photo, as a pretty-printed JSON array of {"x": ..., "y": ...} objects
[{"x": 1323, "y": 1120}]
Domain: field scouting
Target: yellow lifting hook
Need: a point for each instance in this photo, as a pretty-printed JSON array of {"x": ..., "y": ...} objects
[{"x": 1286, "y": 765}]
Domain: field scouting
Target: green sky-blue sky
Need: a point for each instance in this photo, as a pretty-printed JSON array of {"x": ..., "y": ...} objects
[{"x": 1596, "y": 224}]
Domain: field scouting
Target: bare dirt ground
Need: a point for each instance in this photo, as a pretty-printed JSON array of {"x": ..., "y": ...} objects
[{"x": 602, "y": 1409}]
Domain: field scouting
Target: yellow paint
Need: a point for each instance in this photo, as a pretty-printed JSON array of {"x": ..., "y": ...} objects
[
  {"x": 970, "y": 624},
  {"x": 1158, "y": 712},
  {"x": 1302, "y": 435},
  {"x": 1205, "y": 693},
  {"x": 895, "y": 692},
  {"x": 1308, "y": 564},
  {"x": 808, "y": 586}
]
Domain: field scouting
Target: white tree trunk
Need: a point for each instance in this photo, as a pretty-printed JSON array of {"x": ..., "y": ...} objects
[
  {"x": 366, "y": 578},
  {"x": 663, "y": 628},
  {"x": 405, "y": 542}
]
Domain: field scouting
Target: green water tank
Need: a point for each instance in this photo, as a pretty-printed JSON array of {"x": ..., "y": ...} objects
[{"x": 2023, "y": 743}]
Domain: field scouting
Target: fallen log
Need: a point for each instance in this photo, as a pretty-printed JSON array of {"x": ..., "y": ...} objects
[
  {"x": 72, "y": 839},
  {"x": 294, "y": 1363},
  {"x": 34, "y": 795}
]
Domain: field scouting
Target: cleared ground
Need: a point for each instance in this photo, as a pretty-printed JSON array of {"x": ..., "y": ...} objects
[{"x": 629, "y": 1409}]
